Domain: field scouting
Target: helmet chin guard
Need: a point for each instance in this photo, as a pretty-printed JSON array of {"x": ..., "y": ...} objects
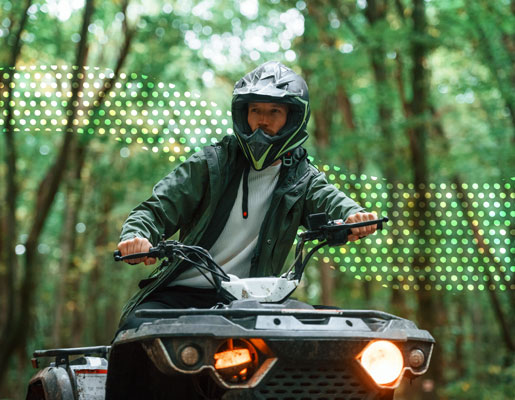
[
  {"x": 271, "y": 82},
  {"x": 258, "y": 146}
]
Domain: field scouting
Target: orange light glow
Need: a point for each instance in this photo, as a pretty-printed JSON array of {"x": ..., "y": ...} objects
[
  {"x": 383, "y": 361},
  {"x": 232, "y": 358}
]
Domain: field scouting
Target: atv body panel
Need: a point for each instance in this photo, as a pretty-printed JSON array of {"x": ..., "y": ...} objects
[{"x": 296, "y": 352}]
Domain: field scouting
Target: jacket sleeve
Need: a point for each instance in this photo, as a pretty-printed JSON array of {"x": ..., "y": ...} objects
[
  {"x": 321, "y": 196},
  {"x": 172, "y": 204}
]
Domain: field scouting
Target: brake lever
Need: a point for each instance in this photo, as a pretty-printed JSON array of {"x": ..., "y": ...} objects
[
  {"x": 340, "y": 226},
  {"x": 336, "y": 232}
]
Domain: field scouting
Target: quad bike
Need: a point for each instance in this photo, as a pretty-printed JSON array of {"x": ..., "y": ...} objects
[{"x": 262, "y": 345}]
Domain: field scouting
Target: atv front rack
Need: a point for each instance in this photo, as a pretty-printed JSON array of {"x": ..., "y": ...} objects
[{"x": 249, "y": 312}]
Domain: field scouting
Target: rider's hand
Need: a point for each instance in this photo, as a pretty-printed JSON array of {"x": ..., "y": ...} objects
[
  {"x": 361, "y": 232},
  {"x": 136, "y": 245}
]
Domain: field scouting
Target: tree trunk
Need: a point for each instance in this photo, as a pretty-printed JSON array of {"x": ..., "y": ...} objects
[
  {"x": 323, "y": 126},
  {"x": 95, "y": 292},
  {"x": 8, "y": 227},
  {"x": 345, "y": 107},
  {"x": 71, "y": 273},
  {"x": 459, "y": 353},
  {"x": 376, "y": 14},
  {"x": 74, "y": 196},
  {"x": 323, "y": 122},
  {"x": 322, "y": 115},
  {"x": 428, "y": 315},
  {"x": 9, "y": 233},
  {"x": 20, "y": 324}
]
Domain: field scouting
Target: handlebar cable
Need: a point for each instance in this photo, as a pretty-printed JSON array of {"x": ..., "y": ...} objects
[
  {"x": 209, "y": 260},
  {"x": 200, "y": 268},
  {"x": 298, "y": 256},
  {"x": 206, "y": 264},
  {"x": 298, "y": 273}
]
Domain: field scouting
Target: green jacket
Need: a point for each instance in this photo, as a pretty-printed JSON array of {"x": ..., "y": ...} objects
[{"x": 197, "y": 196}]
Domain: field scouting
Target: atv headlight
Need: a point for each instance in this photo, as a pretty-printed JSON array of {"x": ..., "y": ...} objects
[
  {"x": 383, "y": 361},
  {"x": 234, "y": 359}
]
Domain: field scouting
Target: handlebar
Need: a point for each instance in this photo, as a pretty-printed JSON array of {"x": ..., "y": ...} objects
[
  {"x": 332, "y": 233},
  {"x": 196, "y": 257}
]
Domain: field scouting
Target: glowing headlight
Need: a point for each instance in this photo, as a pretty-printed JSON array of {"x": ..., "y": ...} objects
[
  {"x": 383, "y": 361},
  {"x": 232, "y": 358}
]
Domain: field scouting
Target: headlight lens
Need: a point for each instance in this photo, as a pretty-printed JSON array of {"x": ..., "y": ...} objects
[
  {"x": 383, "y": 361},
  {"x": 232, "y": 358},
  {"x": 235, "y": 360}
]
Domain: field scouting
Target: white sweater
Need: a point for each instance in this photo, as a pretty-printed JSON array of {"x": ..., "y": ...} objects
[{"x": 234, "y": 247}]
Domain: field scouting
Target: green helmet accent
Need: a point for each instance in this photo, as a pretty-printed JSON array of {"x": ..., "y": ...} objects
[{"x": 271, "y": 82}]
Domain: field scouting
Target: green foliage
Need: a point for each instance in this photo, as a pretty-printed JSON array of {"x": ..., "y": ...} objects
[
  {"x": 496, "y": 383},
  {"x": 181, "y": 65}
]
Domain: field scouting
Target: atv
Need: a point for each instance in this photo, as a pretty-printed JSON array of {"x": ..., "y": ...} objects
[{"x": 261, "y": 345}]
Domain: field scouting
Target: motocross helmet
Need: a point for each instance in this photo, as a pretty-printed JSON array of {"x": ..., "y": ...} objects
[{"x": 271, "y": 82}]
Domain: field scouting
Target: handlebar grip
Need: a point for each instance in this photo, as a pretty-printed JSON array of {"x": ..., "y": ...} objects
[{"x": 153, "y": 252}]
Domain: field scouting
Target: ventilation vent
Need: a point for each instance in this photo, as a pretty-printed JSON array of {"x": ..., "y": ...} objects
[{"x": 304, "y": 383}]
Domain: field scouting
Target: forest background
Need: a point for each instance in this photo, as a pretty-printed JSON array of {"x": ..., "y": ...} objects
[{"x": 413, "y": 115}]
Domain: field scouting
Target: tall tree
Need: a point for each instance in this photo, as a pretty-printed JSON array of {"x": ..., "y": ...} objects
[
  {"x": 8, "y": 231},
  {"x": 74, "y": 191},
  {"x": 21, "y": 322},
  {"x": 376, "y": 12},
  {"x": 419, "y": 107}
]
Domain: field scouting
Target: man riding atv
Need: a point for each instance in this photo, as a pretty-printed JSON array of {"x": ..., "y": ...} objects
[{"x": 243, "y": 199}]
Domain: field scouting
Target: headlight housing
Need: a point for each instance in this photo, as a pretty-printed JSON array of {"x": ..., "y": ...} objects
[{"x": 383, "y": 361}]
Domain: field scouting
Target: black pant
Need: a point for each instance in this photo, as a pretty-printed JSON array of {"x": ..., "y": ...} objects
[{"x": 171, "y": 297}]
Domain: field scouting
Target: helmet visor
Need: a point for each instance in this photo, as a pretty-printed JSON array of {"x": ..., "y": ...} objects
[{"x": 296, "y": 117}]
